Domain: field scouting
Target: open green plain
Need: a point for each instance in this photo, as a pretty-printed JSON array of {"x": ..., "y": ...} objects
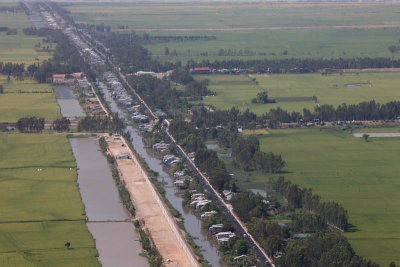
[
  {"x": 292, "y": 89},
  {"x": 20, "y": 48},
  {"x": 40, "y": 204},
  {"x": 22, "y": 99},
  {"x": 14, "y": 20},
  {"x": 205, "y": 15},
  {"x": 362, "y": 176},
  {"x": 348, "y": 43}
]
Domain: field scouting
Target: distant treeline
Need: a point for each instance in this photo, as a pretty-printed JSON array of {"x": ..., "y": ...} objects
[
  {"x": 178, "y": 38},
  {"x": 296, "y": 65},
  {"x": 363, "y": 111}
]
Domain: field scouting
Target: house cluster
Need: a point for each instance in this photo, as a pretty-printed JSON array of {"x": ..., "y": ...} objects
[
  {"x": 49, "y": 20},
  {"x": 170, "y": 160},
  {"x": 92, "y": 104},
  {"x": 83, "y": 48},
  {"x": 158, "y": 75},
  {"x": 207, "y": 70},
  {"x": 181, "y": 179},
  {"x": 199, "y": 201},
  {"x": 222, "y": 237},
  {"x": 160, "y": 147},
  {"x": 125, "y": 101}
]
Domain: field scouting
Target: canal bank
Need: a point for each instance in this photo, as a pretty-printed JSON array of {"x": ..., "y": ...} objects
[
  {"x": 108, "y": 220},
  {"x": 191, "y": 223}
]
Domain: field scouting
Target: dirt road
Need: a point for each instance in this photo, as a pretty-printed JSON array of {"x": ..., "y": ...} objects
[
  {"x": 150, "y": 208},
  {"x": 265, "y": 28}
]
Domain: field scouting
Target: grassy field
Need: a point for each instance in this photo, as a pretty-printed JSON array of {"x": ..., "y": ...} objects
[
  {"x": 172, "y": 15},
  {"x": 349, "y": 43},
  {"x": 15, "y": 105},
  {"x": 20, "y": 48},
  {"x": 14, "y": 20},
  {"x": 41, "y": 210},
  {"x": 362, "y": 176},
  {"x": 292, "y": 89}
]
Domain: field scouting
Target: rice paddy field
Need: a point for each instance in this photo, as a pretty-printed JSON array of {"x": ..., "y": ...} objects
[
  {"x": 14, "y": 20},
  {"x": 247, "y": 45},
  {"x": 27, "y": 98},
  {"x": 291, "y": 90},
  {"x": 20, "y": 48},
  {"x": 362, "y": 176},
  {"x": 40, "y": 204},
  {"x": 205, "y": 15}
]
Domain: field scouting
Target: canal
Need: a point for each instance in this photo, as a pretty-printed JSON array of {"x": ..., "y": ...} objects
[{"x": 191, "y": 222}]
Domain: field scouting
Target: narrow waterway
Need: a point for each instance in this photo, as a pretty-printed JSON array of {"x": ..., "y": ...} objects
[
  {"x": 69, "y": 105},
  {"x": 108, "y": 220},
  {"x": 191, "y": 222}
]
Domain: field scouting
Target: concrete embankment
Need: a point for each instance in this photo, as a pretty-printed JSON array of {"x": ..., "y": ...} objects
[{"x": 150, "y": 209}]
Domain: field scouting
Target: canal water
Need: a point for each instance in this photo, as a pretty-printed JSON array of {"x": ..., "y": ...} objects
[
  {"x": 69, "y": 105},
  {"x": 108, "y": 221},
  {"x": 191, "y": 222}
]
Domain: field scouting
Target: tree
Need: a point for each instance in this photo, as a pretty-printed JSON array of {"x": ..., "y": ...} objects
[
  {"x": 1, "y": 89},
  {"x": 365, "y": 137},
  {"x": 240, "y": 247},
  {"x": 166, "y": 51},
  {"x": 67, "y": 245}
]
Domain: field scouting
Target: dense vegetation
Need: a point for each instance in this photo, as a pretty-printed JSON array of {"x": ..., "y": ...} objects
[
  {"x": 97, "y": 123},
  {"x": 30, "y": 124}
]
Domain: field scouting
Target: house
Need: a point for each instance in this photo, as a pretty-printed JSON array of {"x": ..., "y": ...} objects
[
  {"x": 58, "y": 78},
  {"x": 201, "y": 204},
  {"x": 227, "y": 194},
  {"x": 216, "y": 228},
  {"x": 208, "y": 214},
  {"x": 223, "y": 237},
  {"x": 240, "y": 258},
  {"x": 204, "y": 70}
]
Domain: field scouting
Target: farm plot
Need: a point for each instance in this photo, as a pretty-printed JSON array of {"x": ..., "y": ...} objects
[
  {"x": 204, "y": 15},
  {"x": 40, "y": 207},
  {"x": 27, "y": 98},
  {"x": 20, "y": 48},
  {"x": 247, "y": 45},
  {"x": 362, "y": 176},
  {"x": 291, "y": 90}
]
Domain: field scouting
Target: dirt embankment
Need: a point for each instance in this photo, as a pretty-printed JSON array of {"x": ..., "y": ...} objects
[{"x": 150, "y": 209}]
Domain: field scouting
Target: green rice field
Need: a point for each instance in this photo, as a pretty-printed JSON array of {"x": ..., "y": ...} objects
[
  {"x": 40, "y": 205},
  {"x": 362, "y": 176},
  {"x": 22, "y": 99},
  {"x": 20, "y": 48},
  {"x": 205, "y": 15},
  {"x": 292, "y": 89},
  {"x": 247, "y": 45},
  {"x": 14, "y": 20}
]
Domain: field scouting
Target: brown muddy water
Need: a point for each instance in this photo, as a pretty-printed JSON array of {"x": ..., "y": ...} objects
[
  {"x": 108, "y": 220},
  {"x": 117, "y": 244}
]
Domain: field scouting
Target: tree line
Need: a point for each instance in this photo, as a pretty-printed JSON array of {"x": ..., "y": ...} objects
[
  {"x": 97, "y": 123},
  {"x": 297, "y": 65},
  {"x": 296, "y": 197},
  {"x": 30, "y": 124}
]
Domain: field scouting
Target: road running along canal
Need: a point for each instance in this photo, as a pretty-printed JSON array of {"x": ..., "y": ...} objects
[
  {"x": 191, "y": 222},
  {"x": 108, "y": 220}
]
